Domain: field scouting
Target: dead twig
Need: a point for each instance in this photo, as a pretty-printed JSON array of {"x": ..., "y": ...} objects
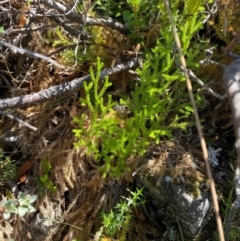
[
  {"x": 30, "y": 53},
  {"x": 208, "y": 89},
  {"x": 83, "y": 19},
  {"x": 68, "y": 28},
  {"x": 18, "y": 120},
  {"x": 64, "y": 88},
  {"x": 197, "y": 80},
  {"x": 211, "y": 12}
]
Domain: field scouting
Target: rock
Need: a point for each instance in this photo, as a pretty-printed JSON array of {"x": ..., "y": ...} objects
[
  {"x": 176, "y": 189},
  {"x": 192, "y": 213}
]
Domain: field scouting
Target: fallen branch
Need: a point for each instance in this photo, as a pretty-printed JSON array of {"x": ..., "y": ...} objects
[
  {"x": 231, "y": 78},
  {"x": 64, "y": 88}
]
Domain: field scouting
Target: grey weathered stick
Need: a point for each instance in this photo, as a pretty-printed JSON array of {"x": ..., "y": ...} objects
[
  {"x": 208, "y": 89},
  {"x": 32, "y": 54},
  {"x": 18, "y": 120},
  {"x": 83, "y": 19},
  {"x": 64, "y": 88},
  {"x": 231, "y": 78}
]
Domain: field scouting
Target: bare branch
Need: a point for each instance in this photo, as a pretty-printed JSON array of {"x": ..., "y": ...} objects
[
  {"x": 18, "y": 120},
  {"x": 27, "y": 29},
  {"x": 212, "y": 11},
  {"x": 33, "y": 54},
  {"x": 198, "y": 81},
  {"x": 68, "y": 28},
  {"x": 85, "y": 20},
  {"x": 64, "y": 88},
  {"x": 208, "y": 89}
]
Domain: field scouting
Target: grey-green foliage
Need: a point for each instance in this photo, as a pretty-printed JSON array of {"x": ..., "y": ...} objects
[{"x": 20, "y": 206}]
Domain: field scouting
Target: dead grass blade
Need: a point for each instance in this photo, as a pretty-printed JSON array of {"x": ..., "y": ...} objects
[{"x": 200, "y": 133}]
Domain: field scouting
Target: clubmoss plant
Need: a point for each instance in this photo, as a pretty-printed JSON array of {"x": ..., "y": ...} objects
[
  {"x": 44, "y": 183},
  {"x": 99, "y": 131},
  {"x": 158, "y": 104}
]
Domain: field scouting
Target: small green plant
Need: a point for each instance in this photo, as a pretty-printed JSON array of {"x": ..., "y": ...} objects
[
  {"x": 116, "y": 223},
  {"x": 7, "y": 169},
  {"x": 56, "y": 37},
  {"x": 158, "y": 104},
  {"x": 103, "y": 126},
  {"x": 21, "y": 206},
  {"x": 43, "y": 182},
  {"x": 107, "y": 136}
]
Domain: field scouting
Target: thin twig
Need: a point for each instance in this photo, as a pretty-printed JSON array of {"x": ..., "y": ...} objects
[
  {"x": 27, "y": 29},
  {"x": 72, "y": 8},
  {"x": 32, "y": 54},
  {"x": 73, "y": 31},
  {"x": 212, "y": 11},
  {"x": 18, "y": 120},
  {"x": 200, "y": 133},
  {"x": 85, "y": 20},
  {"x": 210, "y": 61},
  {"x": 1, "y": 3},
  {"x": 208, "y": 89}
]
